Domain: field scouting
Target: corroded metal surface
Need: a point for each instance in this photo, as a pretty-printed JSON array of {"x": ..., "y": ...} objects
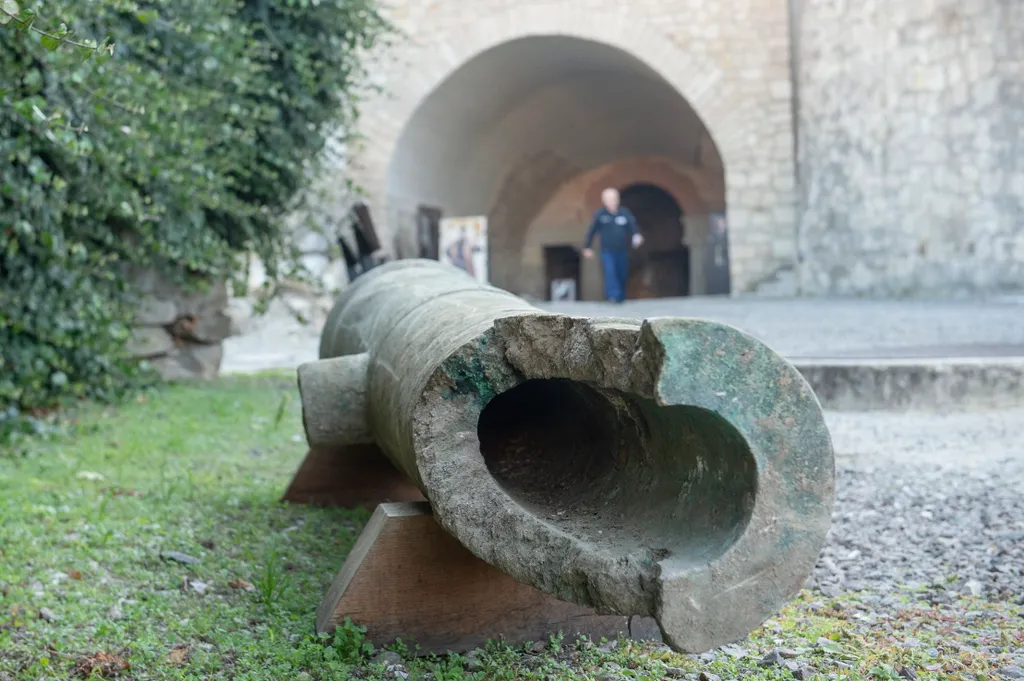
[{"x": 676, "y": 468}]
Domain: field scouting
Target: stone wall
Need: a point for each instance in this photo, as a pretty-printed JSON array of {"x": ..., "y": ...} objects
[
  {"x": 180, "y": 333},
  {"x": 910, "y": 146}
]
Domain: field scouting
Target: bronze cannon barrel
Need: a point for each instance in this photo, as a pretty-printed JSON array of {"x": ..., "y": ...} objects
[{"x": 675, "y": 468}]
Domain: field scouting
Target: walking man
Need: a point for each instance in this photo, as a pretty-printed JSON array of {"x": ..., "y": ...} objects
[{"x": 616, "y": 227}]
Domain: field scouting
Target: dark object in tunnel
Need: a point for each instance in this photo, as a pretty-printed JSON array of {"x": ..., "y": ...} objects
[
  {"x": 672, "y": 468},
  {"x": 361, "y": 259}
]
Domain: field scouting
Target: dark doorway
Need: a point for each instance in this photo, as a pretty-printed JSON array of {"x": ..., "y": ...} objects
[
  {"x": 562, "y": 268},
  {"x": 428, "y": 226},
  {"x": 660, "y": 268}
]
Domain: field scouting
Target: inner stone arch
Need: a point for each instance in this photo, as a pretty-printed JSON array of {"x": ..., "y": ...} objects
[
  {"x": 661, "y": 266},
  {"x": 529, "y": 122}
]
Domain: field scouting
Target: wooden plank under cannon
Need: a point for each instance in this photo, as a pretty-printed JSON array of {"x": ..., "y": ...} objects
[
  {"x": 349, "y": 477},
  {"x": 407, "y": 578}
]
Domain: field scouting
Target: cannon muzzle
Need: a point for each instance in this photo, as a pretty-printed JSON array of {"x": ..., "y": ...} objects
[{"x": 674, "y": 468}]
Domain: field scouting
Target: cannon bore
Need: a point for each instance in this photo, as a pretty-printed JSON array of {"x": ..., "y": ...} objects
[{"x": 674, "y": 468}]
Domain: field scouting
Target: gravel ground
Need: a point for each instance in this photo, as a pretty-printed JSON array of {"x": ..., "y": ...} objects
[
  {"x": 929, "y": 522},
  {"x": 925, "y": 499}
]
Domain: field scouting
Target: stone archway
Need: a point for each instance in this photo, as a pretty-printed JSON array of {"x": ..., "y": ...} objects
[
  {"x": 503, "y": 135},
  {"x": 492, "y": 112},
  {"x": 698, "y": 191}
]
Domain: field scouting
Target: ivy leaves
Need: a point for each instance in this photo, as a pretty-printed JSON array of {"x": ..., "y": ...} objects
[
  {"x": 11, "y": 14},
  {"x": 179, "y": 148}
]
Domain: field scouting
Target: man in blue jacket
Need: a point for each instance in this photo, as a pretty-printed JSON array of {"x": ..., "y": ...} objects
[{"x": 615, "y": 225}]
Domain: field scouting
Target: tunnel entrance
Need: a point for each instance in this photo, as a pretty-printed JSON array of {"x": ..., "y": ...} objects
[
  {"x": 660, "y": 267},
  {"x": 516, "y": 135}
]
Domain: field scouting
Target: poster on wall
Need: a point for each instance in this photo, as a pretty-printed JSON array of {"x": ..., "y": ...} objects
[
  {"x": 463, "y": 244},
  {"x": 716, "y": 263}
]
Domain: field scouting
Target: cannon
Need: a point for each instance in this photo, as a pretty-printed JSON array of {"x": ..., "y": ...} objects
[{"x": 671, "y": 468}]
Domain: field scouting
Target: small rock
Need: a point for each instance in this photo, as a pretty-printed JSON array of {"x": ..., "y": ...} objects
[
  {"x": 115, "y": 614},
  {"x": 538, "y": 647},
  {"x": 198, "y": 586},
  {"x": 908, "y": 673},
  {"x": 178, "y": 557},
  {"x": 704, "y": 676},
  {"x": 675, "y": 672},
  {"x": 48, "y": 615},
  {"x": 608, "y": 676},
  {"x": 772, "y": 659},
  {"x": 735, "y": 652},
  {"x": 974, "y": 588},
  {"x": 147, "y": 342},
  {"x": 152, "y": 311},
  {"x": 388, "y": 659},
  {"x": 1011, "y": 672},
  {"x": 788, "y": 653},
  {"x": 473, "y": 661},
  {"x": 803, "y": 672}
]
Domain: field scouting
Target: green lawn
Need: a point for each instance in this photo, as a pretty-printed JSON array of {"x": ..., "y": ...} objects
[{"x": 86, "y": 588}]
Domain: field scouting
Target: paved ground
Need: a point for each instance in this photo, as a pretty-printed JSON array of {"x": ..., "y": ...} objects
[
  {"x": 816, "y": 328},
  {"x": 803, "y": 328}
]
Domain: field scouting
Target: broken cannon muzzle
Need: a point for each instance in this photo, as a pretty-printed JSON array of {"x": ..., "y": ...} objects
[{"x": 673, "y": 468}]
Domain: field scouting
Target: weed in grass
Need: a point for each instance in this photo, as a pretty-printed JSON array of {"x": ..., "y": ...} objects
[{"x": 271, "y": 581}]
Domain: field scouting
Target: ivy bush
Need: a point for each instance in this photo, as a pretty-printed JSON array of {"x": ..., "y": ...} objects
[{"x": 181, "y": 151}]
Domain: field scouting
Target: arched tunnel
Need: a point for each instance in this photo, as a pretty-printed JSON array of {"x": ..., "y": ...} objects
[{"x": 528, "y": 133}]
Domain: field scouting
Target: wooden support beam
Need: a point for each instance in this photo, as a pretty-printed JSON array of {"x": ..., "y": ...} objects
[
  {"x": 352, "y": 476},
  {"x": 407, "y": 578}
]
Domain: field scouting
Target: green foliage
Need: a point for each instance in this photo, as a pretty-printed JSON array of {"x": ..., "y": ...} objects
[{"x": 181, "y": 152}]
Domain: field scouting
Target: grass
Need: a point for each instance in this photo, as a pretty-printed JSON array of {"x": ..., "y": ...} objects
[{"x": 89, "y": 587}]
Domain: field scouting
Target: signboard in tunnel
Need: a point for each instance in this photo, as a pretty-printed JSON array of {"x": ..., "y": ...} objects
[{"x": 463, "y": 244}]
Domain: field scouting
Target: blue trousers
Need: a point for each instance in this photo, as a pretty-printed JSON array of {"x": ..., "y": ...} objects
[{"x": 616, "y": 270}]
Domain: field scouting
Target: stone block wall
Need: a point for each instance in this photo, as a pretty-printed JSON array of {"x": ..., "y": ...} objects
[
  {"x": 180, "y": 333},
  {"x": 910, "y": 146}
]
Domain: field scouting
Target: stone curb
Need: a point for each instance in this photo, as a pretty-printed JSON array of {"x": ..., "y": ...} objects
[{"x": 961, "y": 383}]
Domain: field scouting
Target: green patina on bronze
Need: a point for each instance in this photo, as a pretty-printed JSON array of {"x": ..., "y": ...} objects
[{"x": 676, "y": 468}]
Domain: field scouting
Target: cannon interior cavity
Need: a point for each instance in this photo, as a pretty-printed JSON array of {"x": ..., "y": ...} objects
[{"x": 620, "y": 471}]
